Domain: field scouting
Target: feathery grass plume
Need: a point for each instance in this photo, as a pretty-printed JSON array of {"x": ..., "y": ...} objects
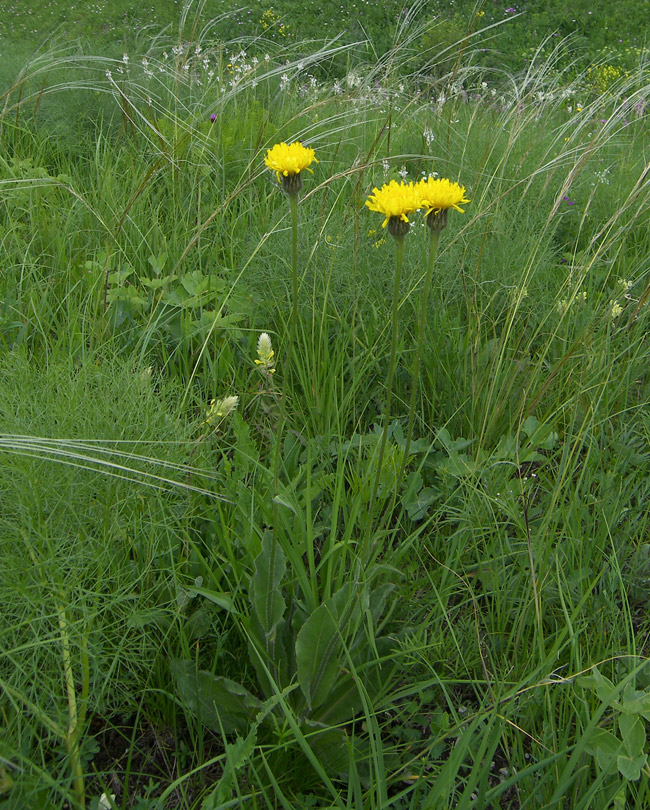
[{"x": 288, "y": 160}]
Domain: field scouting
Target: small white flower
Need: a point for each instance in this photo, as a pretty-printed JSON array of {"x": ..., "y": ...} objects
[
  {"x": 106, "y": 802},
  {"x": 125, "y": 58},
  {"x": 403, "y": 172}
]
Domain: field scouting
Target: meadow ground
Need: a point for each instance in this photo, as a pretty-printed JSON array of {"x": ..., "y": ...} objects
[{"x": 295, "y": 513}]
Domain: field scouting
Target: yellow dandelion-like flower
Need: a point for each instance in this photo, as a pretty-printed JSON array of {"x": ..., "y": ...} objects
[
  {"x": 287, "y": 160},
  {"x": 437, "y": 196},
  {"x": 395, "y": 200}
]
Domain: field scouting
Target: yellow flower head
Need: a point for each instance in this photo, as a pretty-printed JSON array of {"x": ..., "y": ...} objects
[
  {"x": 287, "y": 159},
  {"x": 440, "y": 194},
  {"x": 394, "y": 200}
]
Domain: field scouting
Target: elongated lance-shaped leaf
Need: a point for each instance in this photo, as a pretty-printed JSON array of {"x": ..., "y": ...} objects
[
  {"x": 264, "y": 590},
  {"x": 319, "y": 643},
  {"x": 221, "y": 704}
]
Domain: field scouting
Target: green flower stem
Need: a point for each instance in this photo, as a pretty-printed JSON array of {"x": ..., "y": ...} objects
[
  {"x": 434, "y": 239},
  {"x": 293, "y": 202},
  {"x": 76, "y": 712},
  {"x": 399, "y": 258}
]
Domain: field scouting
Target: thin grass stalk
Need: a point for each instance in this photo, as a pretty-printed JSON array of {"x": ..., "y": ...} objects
[{"x": 75, "y": 712}]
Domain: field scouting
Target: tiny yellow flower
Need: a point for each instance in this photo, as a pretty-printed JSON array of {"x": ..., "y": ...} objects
[
  {"x": 265, "y": 353},
  {"x": 394, "y": 200},
  {"x": 287, "y": 160}
]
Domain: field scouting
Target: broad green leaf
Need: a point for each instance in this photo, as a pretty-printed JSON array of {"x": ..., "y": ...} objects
[
  {"x": 264, "y": 591},
  {"x": 630, "y": 767},
  {"x": 633, "y": 734},
  {"x": 271, "y": 657},
  {"x": 158, "y": 262},
  {"x": 157, "y": 283},
  {"x": 246, "y": 452},
  {"x": 223, "y": 600},
  {"x": 237, "y": 755},
  {"x": 530, "y": 426},
  {"x": 417, "y": 506},
  {"x": 343, "y": 702},
  {"x": 319, "y": 643},
  {"x": 635, "y": 702},
  {"x": 378, "y": 599},
  {"x": 330, "y": 746},
  {"x": 221, "y": 704},
  {"x": 601, "y": 685},
  {"x": 605, "y": 746}
]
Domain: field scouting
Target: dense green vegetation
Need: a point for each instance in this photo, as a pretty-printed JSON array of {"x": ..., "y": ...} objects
[{"x": 342, "y": 589}]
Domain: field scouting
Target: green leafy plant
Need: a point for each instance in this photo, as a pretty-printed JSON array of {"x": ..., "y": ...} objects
[{"x": 322, "y": 665}]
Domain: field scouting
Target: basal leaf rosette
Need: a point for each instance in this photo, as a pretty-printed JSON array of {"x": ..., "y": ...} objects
[
  {"x": 288, "y": 160},
  {"x": 395, "y": 201},
  {"x": 437, "y": 196}
]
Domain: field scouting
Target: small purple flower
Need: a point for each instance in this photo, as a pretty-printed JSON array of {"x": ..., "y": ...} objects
[
  {"x": 511, "y": 10},
  {"x": 568, "y": 201},
  {"x": 213, "y": 117}
]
